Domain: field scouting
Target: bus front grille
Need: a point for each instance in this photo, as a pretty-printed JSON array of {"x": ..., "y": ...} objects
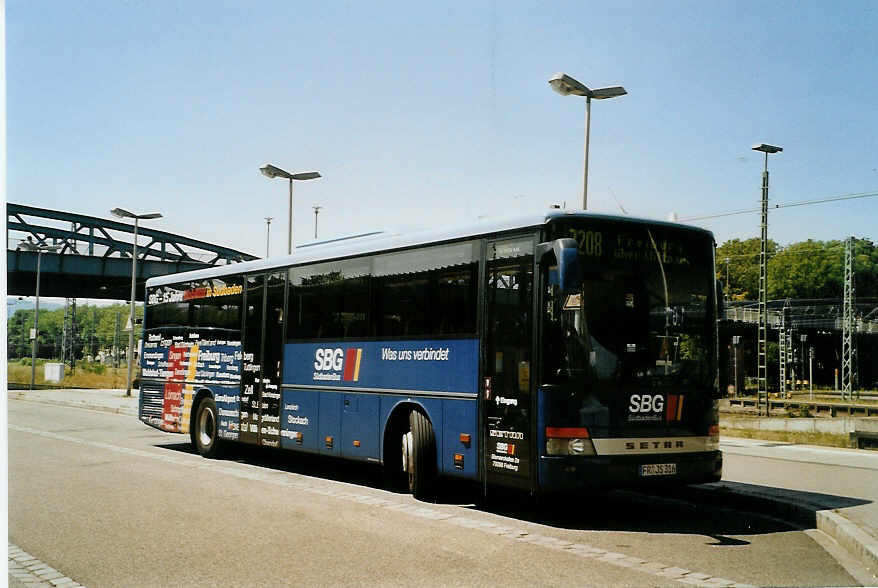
[{"x": 152, "y": 400}]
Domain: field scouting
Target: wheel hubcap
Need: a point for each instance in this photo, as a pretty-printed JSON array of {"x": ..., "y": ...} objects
[
  {"x": 206, "y": 427},
  {"x": 407, "y": 453}
]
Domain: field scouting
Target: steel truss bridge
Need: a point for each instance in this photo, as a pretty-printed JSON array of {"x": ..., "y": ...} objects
[
  {"x": 813, "y": 314},
  {"x": 94, "y": 258}
]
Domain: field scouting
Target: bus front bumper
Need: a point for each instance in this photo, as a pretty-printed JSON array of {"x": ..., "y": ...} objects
[{"x": 574, "y": 473}]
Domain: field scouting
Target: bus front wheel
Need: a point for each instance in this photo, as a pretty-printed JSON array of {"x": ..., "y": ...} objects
[
  {"x": 206, "y": 434},
  {"x": 419, "y": 455}
]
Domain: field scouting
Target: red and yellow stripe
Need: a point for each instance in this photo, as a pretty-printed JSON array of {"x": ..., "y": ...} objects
[
  {"x": 352, "y": 359},
  {"x": 674, "y": 411}
]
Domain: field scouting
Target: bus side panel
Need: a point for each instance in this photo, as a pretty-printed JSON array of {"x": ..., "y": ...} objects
[
  {"x": 460, "y": 419},
  {"x": 447, "y": 365},
  {"x": 329, "y": 423},
  {"x": 298, "y": 420},
  {"x": 359, "y": 432},
  {"x": 227, "y": 401}
]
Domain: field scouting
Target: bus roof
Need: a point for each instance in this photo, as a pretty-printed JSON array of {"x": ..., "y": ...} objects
[{"x": 379, "y": 241}]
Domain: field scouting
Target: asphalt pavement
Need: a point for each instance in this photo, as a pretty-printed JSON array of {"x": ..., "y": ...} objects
[{"x": 847, "y": 514}]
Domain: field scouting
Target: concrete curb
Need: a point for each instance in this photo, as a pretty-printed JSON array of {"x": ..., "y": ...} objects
[
  {"x": 857, "y": 542},
  {"x": 75, "y": 404}
]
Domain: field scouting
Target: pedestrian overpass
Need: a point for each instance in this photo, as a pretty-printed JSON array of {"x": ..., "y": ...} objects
[{"x": 94, "y": 254}]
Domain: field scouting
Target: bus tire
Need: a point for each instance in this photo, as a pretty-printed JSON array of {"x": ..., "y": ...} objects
[
  {"x": 419, "y": 455},
  {"x": 205, "y": 435}
]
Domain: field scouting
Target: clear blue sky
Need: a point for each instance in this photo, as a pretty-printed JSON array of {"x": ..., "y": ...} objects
[{"x": 424, "y": 116}]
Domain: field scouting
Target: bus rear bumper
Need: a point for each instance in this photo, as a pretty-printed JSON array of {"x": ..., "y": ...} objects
[{"x": 572, "y": 474}]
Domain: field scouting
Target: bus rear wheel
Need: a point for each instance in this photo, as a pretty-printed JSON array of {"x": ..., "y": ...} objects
[
  {"x": 205, "y": 436},
  {"x": 419, "y": 455}
]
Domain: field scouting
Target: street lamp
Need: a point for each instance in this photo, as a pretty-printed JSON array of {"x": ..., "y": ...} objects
[
  {"x": 268, "y": 220},
  {"x": 762, "y": 366},
  {"x": 270, "y": 171},
  {"x": 565, "y": 85},
  {"x": 121, "y": 213},
  {"x": 30, "y": 246},
  {"x": 316, "y": 211}
]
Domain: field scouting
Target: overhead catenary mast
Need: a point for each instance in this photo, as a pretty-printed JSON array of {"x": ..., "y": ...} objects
[{"x": 849, "y": 326}]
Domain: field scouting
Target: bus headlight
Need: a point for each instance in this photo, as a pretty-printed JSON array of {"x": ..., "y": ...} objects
[
  {"x": 580, "y": 447},
  {"x": 568, "y": 441},
  {"x": 556, "y": 446}
]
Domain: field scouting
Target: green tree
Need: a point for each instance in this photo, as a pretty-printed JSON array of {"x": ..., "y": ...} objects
[
  {"x": 743, "y": 267},
  {"x": 809, "y": 269},
  {"x": 17, "y": 333},
  {"x": 107, "y": 325},
  {"x": 94, "y": 332},
  {"x": 866, "y": 268}
]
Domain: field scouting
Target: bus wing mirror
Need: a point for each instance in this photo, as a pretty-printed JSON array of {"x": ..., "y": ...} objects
[{"x": 566, "y": 251}]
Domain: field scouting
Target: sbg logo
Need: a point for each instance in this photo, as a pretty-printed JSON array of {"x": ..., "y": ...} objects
[
  {"x": 328, "y": 360},
  {"x": 645, "y": 403}
]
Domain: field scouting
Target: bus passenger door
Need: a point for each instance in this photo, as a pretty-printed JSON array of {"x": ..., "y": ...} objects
[
  {"x": 508, "y": 356},
  {"x": 272, "y": 360},
  {"x": 262, "y": 350},
  {"x": 251, "y": 366}
]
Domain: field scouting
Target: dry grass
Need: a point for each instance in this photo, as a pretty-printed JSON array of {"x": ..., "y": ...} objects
[{"x": 86, "y": 376}]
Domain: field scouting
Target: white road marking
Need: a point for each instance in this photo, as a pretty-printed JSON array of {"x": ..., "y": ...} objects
[{"x": 338, "y": 490}]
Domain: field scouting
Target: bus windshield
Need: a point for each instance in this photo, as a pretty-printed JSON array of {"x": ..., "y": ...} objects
[{"x": 642, "y": 325}]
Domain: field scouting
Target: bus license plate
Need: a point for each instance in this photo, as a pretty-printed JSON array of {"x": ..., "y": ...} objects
[{"x": 658, "y": 469}]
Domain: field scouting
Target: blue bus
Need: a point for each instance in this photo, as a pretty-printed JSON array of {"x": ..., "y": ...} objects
[{"x": 554, "y": 352}]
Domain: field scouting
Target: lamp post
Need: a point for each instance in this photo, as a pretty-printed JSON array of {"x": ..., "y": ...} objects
[
  {"x": 316, "y": 211},
  {"x": 270, "y": 171},
  {"x": 30, "y": 246},
  {"x": 268, "y": 220},
  {"x": 122, "y": 213},
  {"x": 565, "y": 85},
  {"x": 762, "y": 369}
]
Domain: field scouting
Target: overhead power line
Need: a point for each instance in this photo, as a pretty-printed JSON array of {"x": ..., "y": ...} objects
[{"x": 785, "y": 205}]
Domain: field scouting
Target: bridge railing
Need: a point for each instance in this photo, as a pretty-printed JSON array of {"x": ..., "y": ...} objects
[{"x": 825, "y": 316}]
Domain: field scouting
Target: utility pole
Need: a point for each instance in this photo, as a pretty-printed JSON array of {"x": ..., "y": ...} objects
[
  {"x": 849, "y": 330},
  {"x": 73, "y": 337},
  {"x": 811, "y": 370},
  {"x": 116, "y": 349},
  {"x": 735, "y": 340},
  {"x": 726, "y": 289},
  {"x": 782, "y": 351},
  {"x": 23, "y": 324},
  {"x": 115, "y": 342},
  {"x": 95, "y": 344},
  {"x": 803, "y": 338},
  {"x": 64, "y": 332}
]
